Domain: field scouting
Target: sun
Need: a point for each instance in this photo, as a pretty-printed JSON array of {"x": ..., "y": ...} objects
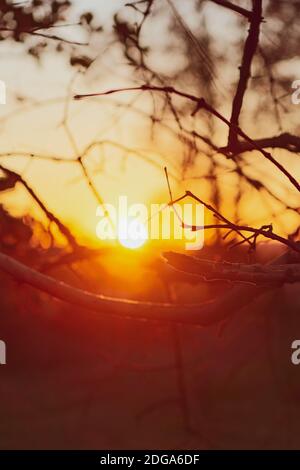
[{"x": 132, "y": 233}]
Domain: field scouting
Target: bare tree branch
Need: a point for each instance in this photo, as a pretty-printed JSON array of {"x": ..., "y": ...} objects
[
  {"x": 234, "y": 272},
  {"x": 63, "y": 229},
  {"x": 284, "y": 141},
  {"x": 233, "y": 7},
  {"x": 198, "y": 314},
  {"x": 200, "y": 104},
  {"x": 36, "y": 32},
  {"x": 250, "y": 47},
  {"x": 265, "y": 231}
]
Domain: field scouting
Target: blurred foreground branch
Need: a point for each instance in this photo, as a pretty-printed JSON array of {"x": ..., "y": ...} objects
[
  {"x": 198, "y": 314},
  {"x": 234, "y": 272}
]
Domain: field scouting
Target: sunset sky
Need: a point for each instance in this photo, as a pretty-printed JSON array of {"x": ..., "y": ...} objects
[{"x": 38, "y": 128}]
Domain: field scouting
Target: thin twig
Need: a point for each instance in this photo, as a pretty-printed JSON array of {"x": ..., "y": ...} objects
[{"x": 200, "y": 104}]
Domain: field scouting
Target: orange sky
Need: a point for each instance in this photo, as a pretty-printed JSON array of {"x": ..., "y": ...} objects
[{"x": 62, "y": 186}]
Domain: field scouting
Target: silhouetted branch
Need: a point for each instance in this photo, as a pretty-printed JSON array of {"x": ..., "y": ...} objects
[
  {"x": 63, "y": 229},
  {"x": 198, "y": 314},
  {"x": 208, "y": 206},
  {"x": 234, "y": 272},
  {"x": 33, "y": 155},
  {"x": 284, "y": 141},
  {"x": 250, "y": 47},
  {"x": 200, "y": 104},
  {"x": 265, "y": 231},
  {"x": 55, "y": 38},
  {"x": 233, "y": 7}
]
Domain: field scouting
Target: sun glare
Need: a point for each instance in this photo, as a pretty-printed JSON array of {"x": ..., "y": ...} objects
[{"x": 132, "y": 233}]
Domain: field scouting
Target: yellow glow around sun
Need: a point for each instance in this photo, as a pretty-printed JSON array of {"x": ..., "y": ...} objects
[{"x": 132, "y": 233}]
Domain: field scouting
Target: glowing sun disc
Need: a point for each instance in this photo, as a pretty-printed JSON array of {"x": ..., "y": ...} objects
[{"x": 132, "y": 233}]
